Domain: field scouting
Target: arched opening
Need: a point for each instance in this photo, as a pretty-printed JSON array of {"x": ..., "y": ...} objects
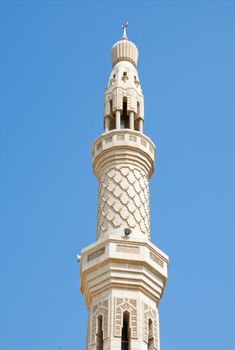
[
  {"x": 137, "y": 119},
  {"x": 126, "y": 331},
  {"x": 99, "y": 335},
  {"x": 150, "y": 334},
  {"x": 124, "y": 115},
  {"x": 111, "y": 116}
]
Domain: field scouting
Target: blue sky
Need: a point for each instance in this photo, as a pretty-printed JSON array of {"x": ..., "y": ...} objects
[{"x": 54, "y": 66}]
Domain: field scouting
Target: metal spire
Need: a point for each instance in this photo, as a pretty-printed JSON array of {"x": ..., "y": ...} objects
[{"x": 124, "y": 26}]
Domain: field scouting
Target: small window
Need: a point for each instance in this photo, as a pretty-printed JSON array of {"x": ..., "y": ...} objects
[
  {"x": 124, "y": 115},
  {"x": 111, "y": 115},
  {"x": 110, "y": 107},
  {"x": 114, "y": 76},
  {"x": 99, "y": 335},
  {"x": 137, "y": 119},
  {"x": 125, "y": 77},
  {"x": 126, "y": 331},
  {"x": 150, "y": 335}
]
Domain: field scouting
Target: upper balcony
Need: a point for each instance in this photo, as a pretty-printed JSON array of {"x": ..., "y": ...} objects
[{"x": 125, "y": 144}]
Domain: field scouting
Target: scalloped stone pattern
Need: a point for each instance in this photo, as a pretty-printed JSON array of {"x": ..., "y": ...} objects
[{"x": 123, "y": 200}]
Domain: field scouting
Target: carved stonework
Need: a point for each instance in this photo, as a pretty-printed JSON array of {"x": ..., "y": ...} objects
[
  {"x": 123, "y": 199},
  {"x": 88, "y": 331},
  {"x": 124, "y": 248},
  {"x": 116, "y": 95},
  {"x": 156, "y": 259},
  {"x": 122, "y": 305},
  {"x": 150, "y": 313},
  {"x": 96, "y": 254},
  {"x": 101, "y": 309}
]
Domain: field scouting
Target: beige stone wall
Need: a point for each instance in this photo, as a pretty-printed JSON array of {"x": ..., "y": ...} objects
[
  {"x": 111, "y": 306},
  {"x": 123, "y": 161},
  {"x": 123, "y": 273}
]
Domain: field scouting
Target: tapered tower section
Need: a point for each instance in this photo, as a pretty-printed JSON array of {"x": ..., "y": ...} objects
[{"x": 123, "y": 274}]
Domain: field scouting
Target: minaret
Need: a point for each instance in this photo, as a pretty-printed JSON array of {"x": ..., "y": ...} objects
[{"x": 123, "y": 274}]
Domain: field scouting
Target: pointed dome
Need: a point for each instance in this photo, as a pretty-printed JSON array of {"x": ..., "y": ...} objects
[{"x": 124, "y": 50}]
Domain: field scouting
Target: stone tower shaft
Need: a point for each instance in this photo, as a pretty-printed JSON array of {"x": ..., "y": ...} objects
[{"x": 123, "y": 274}]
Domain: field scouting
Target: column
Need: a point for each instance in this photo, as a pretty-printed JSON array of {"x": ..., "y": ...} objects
[
  {"x": 118, "y": 119},
  {"x": 107, "y": 123},
  {"x": 131, "y": 121}
]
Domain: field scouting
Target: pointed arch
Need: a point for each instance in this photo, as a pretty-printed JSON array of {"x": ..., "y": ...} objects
[
  {"x": 99, "y": 312},
  {"x": 122, "y": 305},
  {"x": 151, "y": 327}
]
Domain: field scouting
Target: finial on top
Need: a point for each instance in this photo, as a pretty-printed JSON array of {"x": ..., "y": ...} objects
[{"x": 124, "y": 26}]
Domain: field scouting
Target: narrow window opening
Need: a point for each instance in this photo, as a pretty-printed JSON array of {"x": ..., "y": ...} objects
[
  {"x": 124, "y": 115},
  {"x": 137, "y": 119},
  {"x": 125, "y": 73},
  {"x": 112, "y": 119},
  {"x": 99, "y": 335},
  {"x": 137, "y": 124},
  {"x": 126, "y": 331},
  {"x": 114, "y": 75},
  {"x": 112, "y": 122},
  {"x": 150, "y": 335},
  {"x": 138, "y": 109},
  {"x": 111, "y": 107}
]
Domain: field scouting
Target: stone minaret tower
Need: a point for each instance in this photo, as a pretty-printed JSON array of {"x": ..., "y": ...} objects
[{"x": 123, "y": 274}]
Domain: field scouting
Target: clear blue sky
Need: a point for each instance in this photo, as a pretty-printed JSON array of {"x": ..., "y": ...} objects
[{"x": 54, "y": 65}]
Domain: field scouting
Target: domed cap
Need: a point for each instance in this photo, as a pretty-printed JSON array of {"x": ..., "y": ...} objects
[{"x": 124, "y": 50}]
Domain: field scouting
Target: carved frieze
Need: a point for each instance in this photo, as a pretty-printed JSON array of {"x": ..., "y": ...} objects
[
  {"x": 124, "y": 248},
  {"x": 96, "y": 254},
  {"x": 156, "y": 259}
]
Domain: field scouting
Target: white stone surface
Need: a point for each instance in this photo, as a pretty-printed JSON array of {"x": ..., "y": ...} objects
[
  {"x": 123, "y": 271},
  {"x": 120, "y": 86},
  {"x": 124, "y": 50}
]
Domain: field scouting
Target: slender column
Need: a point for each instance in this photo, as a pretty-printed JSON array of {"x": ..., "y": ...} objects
[
  {"x": 141, "y": 125},
  {"x": 107, "y": 123},
  {"x": 131, "y": 120},
  {"x": 118, "y": 119}
]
